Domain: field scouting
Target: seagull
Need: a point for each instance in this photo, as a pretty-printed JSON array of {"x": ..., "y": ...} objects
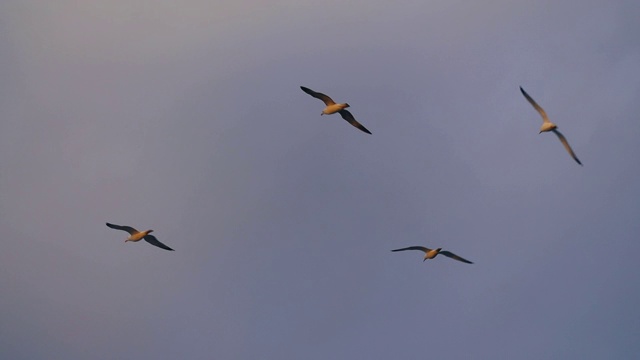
[
  {"x": 547, "y": 125},
  {"x": 333, "y": 108},
  {"x": 431, "y": 253},
  {"x": 136, "y": 235}
]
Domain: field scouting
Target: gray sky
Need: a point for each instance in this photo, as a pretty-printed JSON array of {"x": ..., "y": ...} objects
[{"x": 187, "y": 118}]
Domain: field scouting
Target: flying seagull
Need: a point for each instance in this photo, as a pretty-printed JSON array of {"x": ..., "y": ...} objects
[
  {"x": 547, "y": 125},
  {"x": 431, "y": 253},
  {"x": 333, "y": 108},
  {"x": 136, "y": 235}
]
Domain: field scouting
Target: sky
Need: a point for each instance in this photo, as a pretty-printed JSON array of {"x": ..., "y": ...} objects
[{"x": 187, "y": 118}]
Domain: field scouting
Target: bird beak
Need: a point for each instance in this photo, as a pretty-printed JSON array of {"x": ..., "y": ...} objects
[
  {"x": 540, "y": 132},
  {"x": 423, "y": 260}
]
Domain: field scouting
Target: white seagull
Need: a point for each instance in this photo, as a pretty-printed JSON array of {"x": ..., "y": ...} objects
[
  {"x": 547, "y": 125},
  {"x": 431, "y": 253},
  {"x": 333, "y": 108},
  {"x": 135, "y": 235}
]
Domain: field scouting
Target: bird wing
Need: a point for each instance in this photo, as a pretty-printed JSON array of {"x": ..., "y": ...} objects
[
  {"x": 564, "y": 142},
  {"x": 327, "y": 100},
  {"x": 421, "y": 248},
  {"x": 535, "y": 105},
  {"x": 153, "y": 241},
  {"x": 351, "y": 120},
  {"x": 128, "y": 229},
  {"x": 454, "y": 256}
]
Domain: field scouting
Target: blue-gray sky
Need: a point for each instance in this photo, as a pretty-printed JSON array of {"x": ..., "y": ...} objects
[{"x": 187, "y": 118}]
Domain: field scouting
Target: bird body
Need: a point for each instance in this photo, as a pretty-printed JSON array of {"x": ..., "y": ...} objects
[
  {"x": 334, "y": 108},
  {"x": 547, "y": 125},
  {"x": 138, "y": 235},
  {"x": 135, "y": 236},
  {"x": 331, "y": 107},
  {"x": 432, "y": 253}
]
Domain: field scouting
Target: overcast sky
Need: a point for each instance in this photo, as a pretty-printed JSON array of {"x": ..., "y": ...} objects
[{"x": 187, "y": 118}]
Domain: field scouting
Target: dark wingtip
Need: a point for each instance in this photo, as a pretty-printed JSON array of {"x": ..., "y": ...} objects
[
  {"x": 577, "y": 160},
  {"x": 361, "y": 127},
  {"x": 364, "y": 129}
]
